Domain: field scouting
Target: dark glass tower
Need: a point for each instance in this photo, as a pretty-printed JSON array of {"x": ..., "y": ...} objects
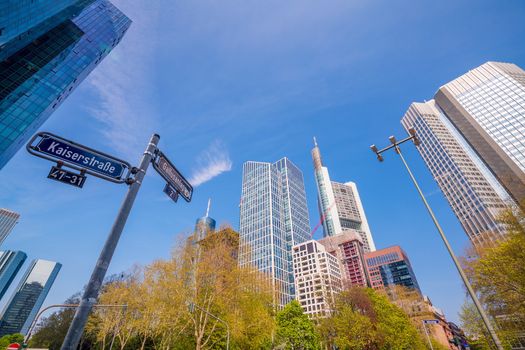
[
  {"x": 21, "y": 310},
  {"x": 46, "y": 49},
  {"x": 10, "y": 264}
]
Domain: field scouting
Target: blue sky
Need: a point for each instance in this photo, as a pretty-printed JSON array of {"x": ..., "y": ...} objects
[{"x": 224, "y": 82}]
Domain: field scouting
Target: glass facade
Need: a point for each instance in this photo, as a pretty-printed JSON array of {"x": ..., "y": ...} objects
[
  {"x": 51, "y": 53},
  {"x": 340, "y": 206},
  {"x": 273, "y": 218},
  {"x": 24, "y": 304},
  {"x": 10, "y": 264},
  {"x": 8, "y": 220},
  {"x": 474, "y": 194},
  {"x": 473, "y": 142},
  {"x": 390, "y": 266}
]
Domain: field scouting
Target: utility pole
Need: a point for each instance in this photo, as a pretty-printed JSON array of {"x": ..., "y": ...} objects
[{"x": 97, "y": 277}]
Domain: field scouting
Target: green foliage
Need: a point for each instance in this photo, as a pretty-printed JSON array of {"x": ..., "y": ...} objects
[
  {"x": 366, "y": 320},
  {"x": 9, "y": 339},
  {"x": 295, "y": 331}
]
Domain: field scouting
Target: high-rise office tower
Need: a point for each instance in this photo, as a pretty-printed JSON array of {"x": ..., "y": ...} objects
[
  {"x": 8, "y": 220},
  {"x": 24, "y": 304},
  {"x": 204, "y": 225},
  {"x": 390, "y": 266},
  {"x": 317, "y": 277},
  {"x": 348, "y": 248},
  {"x": 10, "y": 264},
  {"x": 473, "y": 141},
  {"x": 340, "y": 206},
  {"x": 273, "y": 218},
  {"x": 46, "y": 49}
]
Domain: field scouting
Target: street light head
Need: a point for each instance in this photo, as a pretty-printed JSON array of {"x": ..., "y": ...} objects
[
  {"x": 392, "y": 139},
  {"x": 416, "y": 141},
  {"x": 380, "y": 157},
  {"x": 412, "y": 131},
  {"x": 373, "y": 148}
]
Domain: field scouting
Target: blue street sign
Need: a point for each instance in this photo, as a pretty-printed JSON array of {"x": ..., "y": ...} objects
[
  {"x": 431, "y": 321},
  {"x": 79, "y": 157},
  {"x": 171, "y": 192},
  {"x": 172, "y": 176}
]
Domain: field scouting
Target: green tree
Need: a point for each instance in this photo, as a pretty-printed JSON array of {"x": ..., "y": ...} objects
[
  {"x": 9, "y": 339},
  {"x": 295, "y": 331}
]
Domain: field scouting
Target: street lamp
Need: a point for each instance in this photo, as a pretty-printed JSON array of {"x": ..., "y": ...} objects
[{"x": 395, "y": 145}]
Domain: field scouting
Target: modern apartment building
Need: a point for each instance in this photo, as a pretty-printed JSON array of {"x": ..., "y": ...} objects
[
  {"x": 46, "y": 49},
  {"x": 389, "y": 267},
  {"x": 473, "y": 141},
  {"x": 10, "y": 264},
  {"x": 8, "y": 220},
  {"x": 340, "y": 206},
  {"x": 273, "y": 218},
  {"x": 348, "y": 249},
  {"x": 24, "y": 304},
  {"x": 317, "y": 278}
]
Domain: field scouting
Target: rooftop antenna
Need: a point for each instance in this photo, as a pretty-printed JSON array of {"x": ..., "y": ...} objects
[
  {"x": 208, "y": 209},
  {"x": 315, "y": 142}
]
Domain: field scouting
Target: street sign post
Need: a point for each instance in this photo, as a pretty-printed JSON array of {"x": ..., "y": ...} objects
[
  {"x": 52, "y": 147},
  {"x": 67, "y": 177},
  {"x": 172, "y": 176},
  {"x": 171, "y": 192}
]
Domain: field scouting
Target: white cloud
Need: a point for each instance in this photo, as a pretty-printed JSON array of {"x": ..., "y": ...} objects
[
  {"x": 212, "y": 162},
  {"x": 123, "y": 82}
]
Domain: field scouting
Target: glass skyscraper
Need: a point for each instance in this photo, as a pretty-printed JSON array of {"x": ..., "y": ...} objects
[
  {"x": 10, "y": 264},
  {"x": 8, "y": 220},
  {"x": 473, "y": 141},
  {"x": 24, "y": 304},
  {"x": 273, "y": 218},
  {"x": 340, "y": 206},
  {"x": 46, "y": 49}
]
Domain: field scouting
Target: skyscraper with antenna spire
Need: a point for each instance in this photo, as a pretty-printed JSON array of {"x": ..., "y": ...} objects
[{"x": 340, "y": 206}]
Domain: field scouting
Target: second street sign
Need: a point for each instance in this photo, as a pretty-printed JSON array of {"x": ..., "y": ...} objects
[
  {"x": 168, "y": 171},
  {"x": 171, "y": 192},
  {"x": 77, "y": 156}
]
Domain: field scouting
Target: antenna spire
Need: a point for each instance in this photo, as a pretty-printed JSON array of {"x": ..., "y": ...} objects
[
  {"x": 315, "y": 142},
  {"x": 208, "y": 209}
]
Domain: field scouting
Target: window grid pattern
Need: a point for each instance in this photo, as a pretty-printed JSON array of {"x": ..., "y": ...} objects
[
  {"x": 273, "y": 217},
  {"x": 44, "y": 72},
  {"x": 317, "y": 278},
  {"x": 475, "y": 200},
  {"x": 494, "y": 95},
  {"x": 8, "y": 220}
]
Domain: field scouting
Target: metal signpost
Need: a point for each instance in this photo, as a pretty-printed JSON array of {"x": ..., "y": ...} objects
[
  {"x": 171, "y": 192},
  {"x": 172, "y": 176},
  {"x": 89, "y": 161}
]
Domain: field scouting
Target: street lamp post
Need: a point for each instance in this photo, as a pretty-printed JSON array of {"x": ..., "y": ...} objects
[
  {"x": 193, "y": 306},
  {"x": 395, "y": 145}
]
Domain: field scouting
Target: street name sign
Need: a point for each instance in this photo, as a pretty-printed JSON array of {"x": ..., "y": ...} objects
[
  {"x": 171, "y": 192},
  {"x": 168, "y": 171},
  {"x": 66, "y": 177},
  {"x": 74, "y": 155},
  {"x": 431, "y": 321}
]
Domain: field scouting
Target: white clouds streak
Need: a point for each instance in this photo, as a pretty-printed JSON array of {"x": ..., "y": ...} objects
[
  {"x": 214, "y": 161},
  {"x": 123, "y": 82}
]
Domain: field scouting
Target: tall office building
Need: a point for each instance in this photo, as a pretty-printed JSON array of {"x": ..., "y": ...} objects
[
  {"x": 46, "y": 49},
  {"x": 8, "y": 220},
  {"x": 24, "y": 304},
  {"x": 473, "y": 141},
  {"x": 10, "y": 264},
  {"x": 348, "y": 248},
  {"x": 340, "y": 206},
  {"x": 317, "y": 278},
  {"x": 273, "y": 218},
  {"x": 204, "y": 225},
  {"x": 390, "y": 266}
]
